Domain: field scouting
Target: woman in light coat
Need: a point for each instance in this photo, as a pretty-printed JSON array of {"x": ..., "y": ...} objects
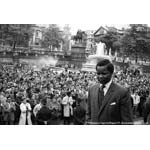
[{"x": 25, "y": 116}]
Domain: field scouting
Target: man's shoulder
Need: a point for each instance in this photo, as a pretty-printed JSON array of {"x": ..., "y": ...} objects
[
  {"x": 120, "y": 88},
  {"x": 22, "y": 104},
  {"x": 37, "y": 105},
  {"x": 94, "y": 86},
  {"x": 65, "y": 97}
]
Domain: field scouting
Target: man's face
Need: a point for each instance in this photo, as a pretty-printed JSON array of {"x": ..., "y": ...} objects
[{"x": 103, "y": 75}]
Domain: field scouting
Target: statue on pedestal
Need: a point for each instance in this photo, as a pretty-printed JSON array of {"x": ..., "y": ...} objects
[{"x": 79, "y": 37}]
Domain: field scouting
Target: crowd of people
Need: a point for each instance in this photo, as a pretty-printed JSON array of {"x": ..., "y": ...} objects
[
  {"x": 46, "y": 96},
  {"x": 22, "y": 84},
  {"x": 139, "y": 86}
]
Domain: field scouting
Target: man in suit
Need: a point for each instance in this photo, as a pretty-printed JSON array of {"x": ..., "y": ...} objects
[
  {"x": 44, "y": 114},
  {"x": 108, "y": 102},
  {"x": 79, "y": 113}
]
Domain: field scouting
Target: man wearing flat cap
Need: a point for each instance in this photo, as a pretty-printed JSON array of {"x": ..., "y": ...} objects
[{"x": 108, "y": 102}]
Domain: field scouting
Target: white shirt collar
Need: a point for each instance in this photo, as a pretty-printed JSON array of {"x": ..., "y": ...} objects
[{"x": 107, "y": 85}]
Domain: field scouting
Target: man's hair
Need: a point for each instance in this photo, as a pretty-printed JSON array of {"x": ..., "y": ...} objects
[
  {"x": 106, "y": 63},
  {"x": 68, "y": 93}
]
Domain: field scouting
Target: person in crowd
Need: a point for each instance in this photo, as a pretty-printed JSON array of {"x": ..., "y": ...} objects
[
  {"x": 67, "y": 108},
  {"x": 43, "y": 116},
  {"x": 55, "y": 110},
  {"x": 6, "y": 106},
  {"x": 17, "y": 110},
  {"x": 136, "y": 101},
  {"x": 37, "y": 107},
  {"x": 141, "y": 103},
  {"x": 108, "y": 102},
  {"x": 1, "y": 114},
  {"x": 79, "y": 113},
  {"x": 12, "y": 111},
  {"x": 147, "y": 111},
  {"x": 25, "y": 116}
]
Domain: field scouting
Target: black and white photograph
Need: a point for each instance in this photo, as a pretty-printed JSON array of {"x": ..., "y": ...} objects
[
  {"x": 74, "y": 74},
  {"x": 55, "y": 74}
]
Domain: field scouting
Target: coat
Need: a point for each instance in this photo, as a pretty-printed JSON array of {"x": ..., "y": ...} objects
[
  {"x": 36, "y": 109},
  {"x": 79, "y": 114},
  {"x": 24, "y": 112},
  {"x": 9, "y": 112},
  {"x": 67, "y": 106},
  {"x": 147, "y": 111},
  {"x": 6, "y": 107},
  {"x": 12, "y": 111},
  {"x": 115, "y": 108},
  {"x": 43, "y": 115}
]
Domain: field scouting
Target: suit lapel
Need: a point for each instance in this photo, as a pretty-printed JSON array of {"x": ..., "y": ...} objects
[
  {"x": 107, "y": 97},
  {"x": 96, "y": 91}
]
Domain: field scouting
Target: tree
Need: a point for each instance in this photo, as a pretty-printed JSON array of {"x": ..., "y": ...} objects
[
  {"x": 136, "y": 40},
  {"x": 52, "y": 36},
  {"x": 111, "y": 40},
  {"x": 16, "y": 34},
  {"x": 66, "y": 38}
]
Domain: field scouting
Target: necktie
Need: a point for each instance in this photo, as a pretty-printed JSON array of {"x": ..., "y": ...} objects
[{"x": 101, "y": 95}]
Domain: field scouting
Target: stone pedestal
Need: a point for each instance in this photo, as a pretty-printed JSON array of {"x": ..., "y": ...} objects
[{"x": 78, "y": 54}]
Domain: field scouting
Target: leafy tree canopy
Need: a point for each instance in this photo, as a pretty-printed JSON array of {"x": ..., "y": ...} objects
[{"x": 16, "y": 34}]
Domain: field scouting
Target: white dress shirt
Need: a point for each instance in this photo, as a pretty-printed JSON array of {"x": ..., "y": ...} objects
[{"x": 107, "y": 85}]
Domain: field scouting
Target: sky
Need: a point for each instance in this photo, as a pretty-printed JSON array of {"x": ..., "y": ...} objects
[{"x": 84, "y": 27}]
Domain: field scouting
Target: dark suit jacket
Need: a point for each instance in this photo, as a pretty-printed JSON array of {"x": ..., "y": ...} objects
[
  {"x": 44, "y": 114},
  {"x": 79, "y": 114},
  {"x": 115, "y": 108}
]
